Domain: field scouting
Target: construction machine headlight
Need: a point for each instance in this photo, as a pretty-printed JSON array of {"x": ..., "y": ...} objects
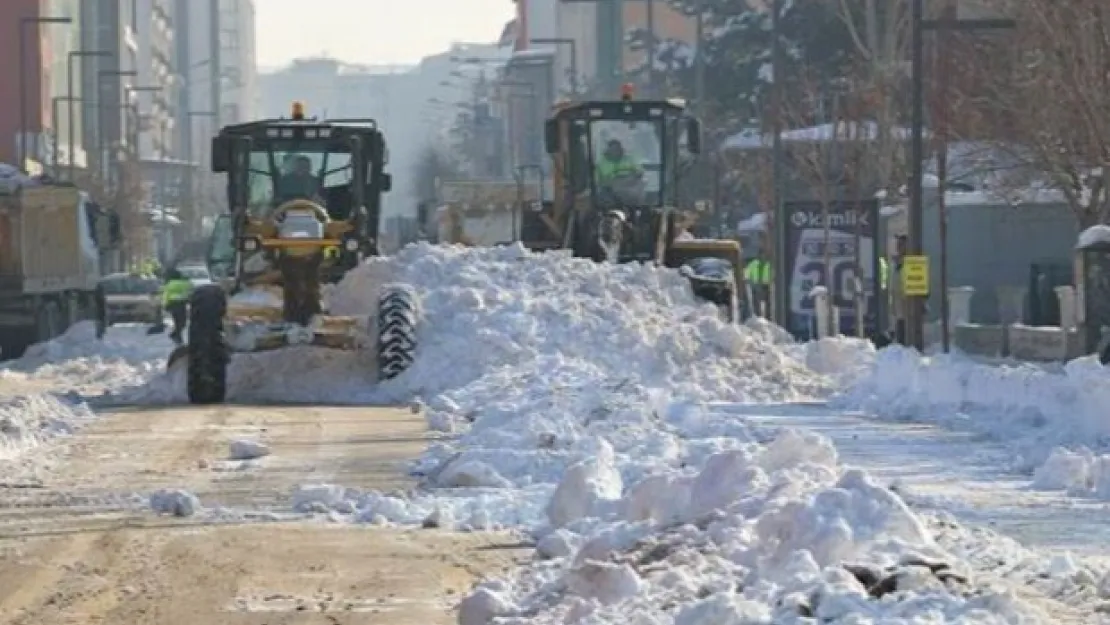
[
  {"x": 248, "y": 244},
  {"x": 351, "y": 245}
]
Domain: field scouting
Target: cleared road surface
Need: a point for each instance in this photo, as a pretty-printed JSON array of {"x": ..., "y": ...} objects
[{"x": 73, "y": 551}]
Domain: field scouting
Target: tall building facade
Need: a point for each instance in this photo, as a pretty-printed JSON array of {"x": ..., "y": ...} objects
[
  {"x": 158, "y": 76},
  {"x": 42, "y": 35},
  {"x": 217, "y": 61},
  {"x": 109, "y": 128}
]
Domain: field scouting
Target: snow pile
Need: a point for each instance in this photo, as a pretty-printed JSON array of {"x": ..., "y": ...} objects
[
  {"x": 762, "y": 533},
  {"x": 26, "y": 421},
  {"x": 77, "y": 360},
  {"x": 1080, "y": 472},
  {"x": 577, "y": 396},
  {"x": 1034, "y": 409},
  {"x": 487, "y": 309}
]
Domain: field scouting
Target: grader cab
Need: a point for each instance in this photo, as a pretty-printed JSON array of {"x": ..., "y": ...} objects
[
  {"x": 304, "y": 197},
  {"x": 616, "y": 170}
]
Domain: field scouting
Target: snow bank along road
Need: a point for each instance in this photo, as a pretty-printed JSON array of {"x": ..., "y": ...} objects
[{"x": 666, "y": 468}]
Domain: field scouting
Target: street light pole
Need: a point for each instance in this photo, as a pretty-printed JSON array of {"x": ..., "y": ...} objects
[
  {"x": 70, "y": 130},
  {"x": 23, "y": 89}
]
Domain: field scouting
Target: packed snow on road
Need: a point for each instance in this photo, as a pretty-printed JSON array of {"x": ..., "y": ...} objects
[{"x": 668, "y": 467}]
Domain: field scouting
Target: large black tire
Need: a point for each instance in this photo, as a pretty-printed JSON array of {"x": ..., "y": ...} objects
[
  {"x": 206, "y": 376},
  {"x": 397, "y": 317}
]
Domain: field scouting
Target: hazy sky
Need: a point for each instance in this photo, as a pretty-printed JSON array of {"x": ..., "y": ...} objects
[{"x": 373, "y": 31}]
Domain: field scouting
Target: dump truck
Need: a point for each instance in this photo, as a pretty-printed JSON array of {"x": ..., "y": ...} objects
[
  {"x": 483, "y": 212},
  {"x": 616, "y": 169},
  {"x": 49, "y": 262},
  {"x": 304, "y": 197}
]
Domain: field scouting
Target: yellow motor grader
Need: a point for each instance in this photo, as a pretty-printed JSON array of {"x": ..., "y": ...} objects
[
  {"x": 615, "y": 179},
  {"x": 304, "y": 197}
]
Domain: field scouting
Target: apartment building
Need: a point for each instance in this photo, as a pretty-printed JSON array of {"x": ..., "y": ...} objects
[
  {"x": 43, "y": 34},
  {"x": 110, "y": 29},
  {"x": 158, "y": 77}
]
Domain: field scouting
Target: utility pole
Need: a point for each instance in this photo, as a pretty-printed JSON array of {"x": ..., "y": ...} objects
[
  {"x": 781, "y": 308},
  {"x": 915, "y": 308}
]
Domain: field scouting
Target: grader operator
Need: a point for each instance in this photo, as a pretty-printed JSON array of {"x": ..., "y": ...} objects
[
  {"x": 616, "y": 169},
  {"x": 304, "y": 197}
]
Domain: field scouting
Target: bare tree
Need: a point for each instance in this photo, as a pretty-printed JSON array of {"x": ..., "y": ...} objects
[
  {"x": 813, "y": 161},
  {"x": 880, "y": 32},
  {"x": 1044, "y": 92}
]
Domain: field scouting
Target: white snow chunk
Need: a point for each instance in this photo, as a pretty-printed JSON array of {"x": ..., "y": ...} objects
[
  {"x": 723, "y": 609},
  {"x": 1065, "y": 470},
  {"x": 471, "y": 474},
  {"x": 558, "y": 544},
  {"x": 482, "y": 606},
  {"x": 244, "y": 449},
  {"x": 180, "y": 503},
  {"x": 318, "y": 497},
  {"x": 585, "y": 486},
  {"x": 607, "y": 582}
]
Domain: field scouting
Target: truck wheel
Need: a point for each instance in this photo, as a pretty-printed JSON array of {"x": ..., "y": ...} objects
[
  {"x": 206, "y": 376},
  {"x": 396, "y": 330}
]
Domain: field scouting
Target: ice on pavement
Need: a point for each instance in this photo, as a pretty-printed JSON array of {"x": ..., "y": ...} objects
[{"x": 575, "y": 402}]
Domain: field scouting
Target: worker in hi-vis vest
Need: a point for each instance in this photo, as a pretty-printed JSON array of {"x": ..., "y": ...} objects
[
  {"x": 757, "y": 273},
  {"x": 175, "y": 299}
]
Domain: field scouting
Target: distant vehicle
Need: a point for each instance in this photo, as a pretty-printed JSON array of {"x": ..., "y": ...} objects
[
  {"x": 52, "y": 238},
  {"x": 132, "y": 299},
  {"x": 197, "y": 274}
]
